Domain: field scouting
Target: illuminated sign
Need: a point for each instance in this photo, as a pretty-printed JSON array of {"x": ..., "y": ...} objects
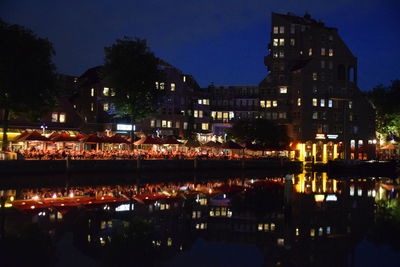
[
  {"x": 332, "y": 136},
  {"x": 124, "y": 207},
  {"x": 320, "y": 136},
  {"x": 331, "y": 198},
  {"x": 125, "y": 127},
  {"x": 319, "y": 198}
]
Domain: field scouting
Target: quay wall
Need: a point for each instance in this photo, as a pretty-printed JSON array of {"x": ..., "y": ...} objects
[{"x": 79, "y": 166}]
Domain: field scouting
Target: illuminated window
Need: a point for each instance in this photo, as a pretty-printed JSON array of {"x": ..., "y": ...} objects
[
  {"x": 213, "y": 114},
  {"x": 184, "y": 78},
  {"x": 152, "y": 123},
  {"x": 310, "y": 51},
  {"x": 177, "y": 124},
  {"x": 200, "y": 114},
  {"x": 282, "y": 115},
  {"x": 172, "y": 87},
  {"x": 330, "y": 52},
  {"x": 169, "y": 124},
  {"x": 350, "y": 104},
  {"x": 272, "y": 227},
  {"x": 185, "y": 125},
  {"x": 283, "y": 90},
  {"x": 262, "y": 103},
  {"x": 330, "y": 103},
  {"x": 297, "y": 232},
  {"x": 282, "y": 29},
  {"x": 91, "y": 106},
  {"x": 275, "y": 42},
  {"x": 328, "y": 230},
  {"x": 299, "y": 101},
  {"x": 206, "y": 102},
  {"x": 112, "y": 92},
  {"x": 54, "y": 117},
  {"x": 314, "y": 102},
  {"x": 315, "y": 115},
  {"x": 92, "y": 92},
  {"x": 322, "y": 102},
  {"x": 322, "y": 51},
  {"x": 351, "y": 191},
  {"x": 231, "y": 114},
  {"x": 292, "y": 42},
  {"x": 281, "y": 54},
  {"x": 162, "y": 86},
  {"x": 196, "y": 113},
  {"x": 275, "y": 54},
  {"x": 280, "y": 242},
  {"x": 157, "y": 85},
  {"x": 219, "y": 115},
  {"x": 204, "y": 126},
  {"x": 260, "y": 227},
  {"x": 105, "y": 107},
  {"x": 360, "y": 142},
  {"x": 106, "y": 91},
  {"x": 282, "y": 42},
  {"x": 276, "y": 30},
  {"x": 312, "y": 232},
  {"x": 164, "y": 123},
  {"x": 320, "y": 231},
  {"x": 268, "y": 103},
  {"x": 275, "y": 103},
  {"x": 158, "y": 123},
  {"x": 314, "y": 76}
]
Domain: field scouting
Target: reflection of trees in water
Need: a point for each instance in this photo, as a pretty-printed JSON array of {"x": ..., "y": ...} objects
[
  {"x": 386, "y": 229},
  {"x": 29, "y": 247}
]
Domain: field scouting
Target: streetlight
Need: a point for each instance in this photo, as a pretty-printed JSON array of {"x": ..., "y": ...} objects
[{"x": 44, "y": 127}]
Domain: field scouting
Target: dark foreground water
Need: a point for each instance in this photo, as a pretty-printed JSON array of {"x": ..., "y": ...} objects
[{"x": 303, "y": 220}]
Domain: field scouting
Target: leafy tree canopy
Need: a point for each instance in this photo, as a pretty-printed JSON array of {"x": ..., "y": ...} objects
[
  {"x": 385, "y": 100},
  {"x": 259, "y": 131},
  {"x": 27, "y": 74},
  {"x": 132, "y": 70}
]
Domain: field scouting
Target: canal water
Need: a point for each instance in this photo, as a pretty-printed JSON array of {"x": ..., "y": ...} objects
[{"x": 306, "y": 219}]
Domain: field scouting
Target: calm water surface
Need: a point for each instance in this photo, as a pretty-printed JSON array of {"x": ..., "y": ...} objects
[{"x": 303, "y": 220}]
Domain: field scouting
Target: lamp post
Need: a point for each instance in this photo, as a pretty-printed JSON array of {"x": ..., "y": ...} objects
[{"x": 44, "y": 127}]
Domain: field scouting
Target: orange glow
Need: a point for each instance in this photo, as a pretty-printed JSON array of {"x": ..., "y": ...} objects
[{"x": 319, "y": 198}]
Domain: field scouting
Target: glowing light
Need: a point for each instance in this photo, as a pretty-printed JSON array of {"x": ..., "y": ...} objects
[
  {"x": 12, "y": 198},
  {"x": 32, "y": 207},
  {"x": 54, "y": 196},
  {"x": 331, "y": 198},
  {"x": 319, "y": 198},
  {"x": 35, "y": 197},
  {"x": 71, "y": 195}
]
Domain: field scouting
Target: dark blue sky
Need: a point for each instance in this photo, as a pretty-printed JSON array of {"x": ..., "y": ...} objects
[{"x": 220, "y": 41}]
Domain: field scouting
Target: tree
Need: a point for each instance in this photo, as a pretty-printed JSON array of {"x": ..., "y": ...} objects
[
  {"x": 131, "y": 69},
  {"x": 385, "y": 101},
  {"x": 27, "y": 75},
  {"x": 259, "y": 131}
]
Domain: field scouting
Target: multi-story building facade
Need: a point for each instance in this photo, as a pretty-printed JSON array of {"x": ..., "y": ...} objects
[{"x": 312, "y": 88}]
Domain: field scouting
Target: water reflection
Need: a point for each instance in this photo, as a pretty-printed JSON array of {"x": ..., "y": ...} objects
[{"x": 299, "y": 220}]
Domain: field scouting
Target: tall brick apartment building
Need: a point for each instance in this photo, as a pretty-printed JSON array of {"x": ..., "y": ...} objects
[{"x": 312, "y": 88}]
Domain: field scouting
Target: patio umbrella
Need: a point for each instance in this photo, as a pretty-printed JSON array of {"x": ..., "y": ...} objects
[
  {"x": 192, "y": 143},
  {"x": 231, "y": 145},
  {"x": 170, "y": 140},
  {"x": 212, "y": 144},
  {"x": 33, "y": 136},
  {"x": 64, "y": 137},
  {"x": 148, "y": 140},
  {"x": 52, "y": 135},
  {"x": 254, "y": 147},
  {"x": 115, "y": 139},
  {"x": 91, "y": 139},
  {"x": 80, "y": 136}
]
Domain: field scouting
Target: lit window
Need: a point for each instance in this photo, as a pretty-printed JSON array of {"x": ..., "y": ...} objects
[
  {"x": 105, "y": 107},
  {"x": 91, "y": 106},
  {"x": 169, "y": 124},
  {"x": 281, "y": 54},
  {"x": 219, "y": 115},
  {"x": 292, "y": 42},
  {"x": 162, "y": 86},
  {"x": 275, "y": 54},
  {"x": 231, "y": 114},
  {"x": 330, "y": 52},
  {"x": 204, "y": 126},
  {"x": 350, "y": 104},
  {"x": 299, "y": 101},
  {"x": 92, "y": 92},
  {"x": 283, "y": 90},
  {"x": 200, "y": 114},
  {"x": 272, "y": 226},
  {"x": 152, "y": 123},
  {"x": 330, "y": 103},
  {"x": 282, "y": 115},
  {"x": 163, "y": 123},
  {"x": 282, "y": 42},
  {"x": 276, "y": 30},
  {"x": 62, "y": 118},
  {"x": 297, "y": 232},
  {"x": 196, "y": 113},
  {"x": 106, "y": 91},
  {"x": 206, "y": 101},
  {"x": 112, "y": 92},
  {"x": 177, "y": 124},
  {"x": 315, "y": 115},
  {"x": 213, "y": 114},
  {"x": 310, "y": 51},
  {"x": 200, "y": 101},
  {"x": 275, "y": 42},
  {"x": 157, "y": 86},
  {"x": 184, "y": 78},
  {"x": 322, "y": 51},
  {"x": 54, "y": 117},
  {"x": 360, "y": 142},
  {"x": 314, "y": 102},
  {"x": 185, "y": 125},
  {"x": 314, "y": 76},
  {"x": 158, "y": 123},
  {"x": 268, "y": 103},
  {"x": 282, "y": 29},
  {"x": 275, "y": 103},
  {"x": 172, "y": 86},
  {"x": 322, "y": 64},
  {"x": 312, "y": 232},
  {"x": 322, "y": 102},
  {"x": 262, "y": 103}
]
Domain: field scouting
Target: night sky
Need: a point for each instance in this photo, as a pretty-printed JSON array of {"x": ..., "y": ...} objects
[{"x": 220, "y": 41}]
